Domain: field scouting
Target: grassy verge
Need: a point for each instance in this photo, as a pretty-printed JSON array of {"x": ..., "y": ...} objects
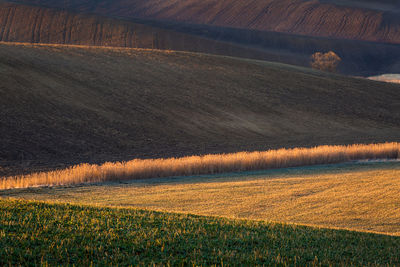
[{"x": 33, "y": 233}]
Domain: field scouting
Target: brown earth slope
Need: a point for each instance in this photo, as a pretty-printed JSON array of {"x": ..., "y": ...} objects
[
  {"x": 384, "y": 5},
  {"x": 313, "y": 18},
  {"x": 63, "y": 105},
  {"x": 21, "y": 23},
  {"x": 360, "y": 58}
]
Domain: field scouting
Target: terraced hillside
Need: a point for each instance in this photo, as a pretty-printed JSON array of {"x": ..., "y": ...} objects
[
  {"x": 65, "y": 105},
  {"x": 348, "y": 19}
]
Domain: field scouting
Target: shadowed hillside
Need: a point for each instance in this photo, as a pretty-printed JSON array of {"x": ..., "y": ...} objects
[
  {"x": 359, "y": 58},
  {"x": 63, "y": 105},
  {"x": 383, "y": 5},
  {"x": 344, "y": 20},
  {"x": 19, "y": 23}
]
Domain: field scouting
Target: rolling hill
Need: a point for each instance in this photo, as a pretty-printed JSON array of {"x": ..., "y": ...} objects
[
  {"x": 360, "y": 58},
  {"x": 360, "y": 20},
  {"x": 384, "y": 5},
  {"x": 21, "y": 23},
  {"x": 36, "y": 24},
  {"x": 63, "y": 105},
  {"x": 150, "y": 81}
]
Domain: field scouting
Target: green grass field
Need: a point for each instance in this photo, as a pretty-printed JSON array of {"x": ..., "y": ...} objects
[{"x": 34, "y": 233}]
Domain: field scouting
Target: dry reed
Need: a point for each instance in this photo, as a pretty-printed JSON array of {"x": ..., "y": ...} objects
[{"x": 207, "y": 164}]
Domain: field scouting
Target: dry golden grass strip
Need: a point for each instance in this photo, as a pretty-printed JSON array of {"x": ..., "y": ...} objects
[{"x": 207, "y": 164}]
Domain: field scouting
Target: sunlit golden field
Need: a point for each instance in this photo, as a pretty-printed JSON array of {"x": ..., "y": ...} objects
[
  {"x": 208, "y": 164},
  {"x": 362, "y": 197}
]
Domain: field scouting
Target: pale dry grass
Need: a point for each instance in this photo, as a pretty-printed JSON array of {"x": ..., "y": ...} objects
[
  {"x": 207, "y": 164},
  {"x": 390, "y": 78},
  {"x": 88, "y": 47}
]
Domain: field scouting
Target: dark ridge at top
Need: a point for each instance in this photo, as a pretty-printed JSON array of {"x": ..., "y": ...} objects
[{"x": 358, "y": 20}]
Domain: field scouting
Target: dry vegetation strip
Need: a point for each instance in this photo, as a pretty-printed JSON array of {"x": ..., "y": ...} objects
[{"x": 208, "y": 164}]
